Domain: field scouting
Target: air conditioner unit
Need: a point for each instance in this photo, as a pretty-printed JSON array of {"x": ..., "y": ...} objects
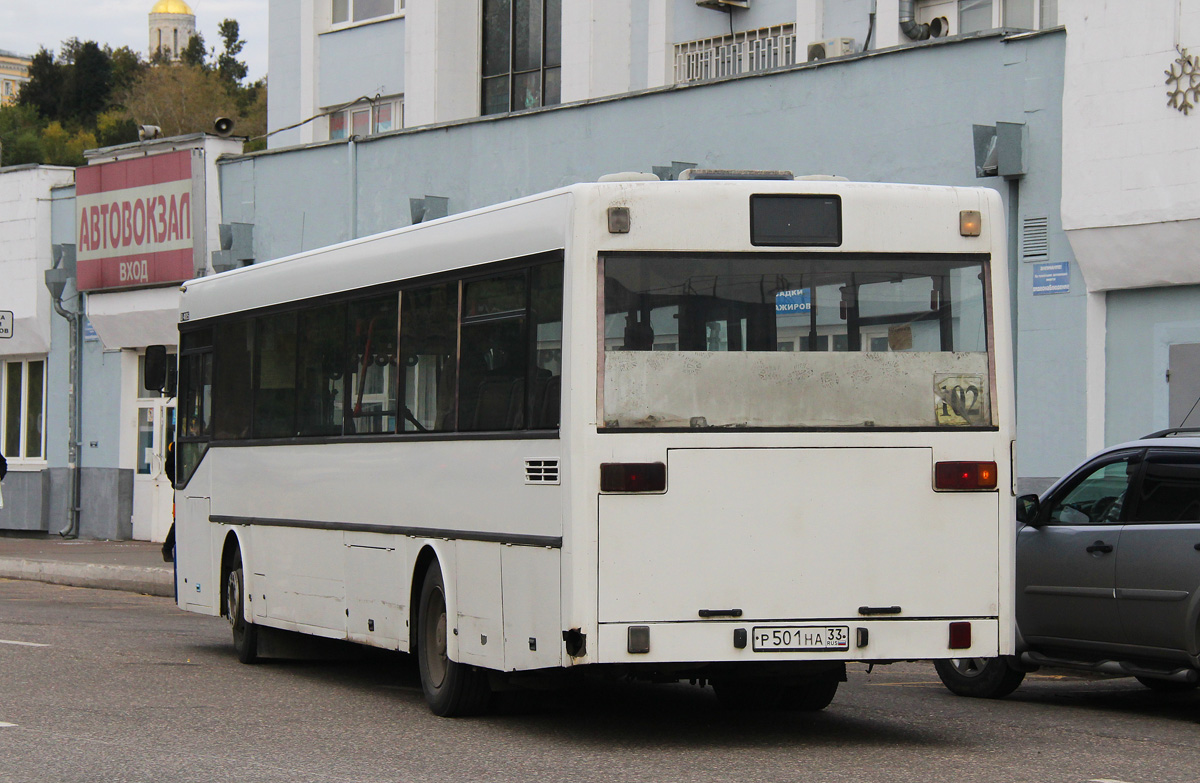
[
  {"x": 834, "y": 47},
  {"x": 723, "y": 5}
]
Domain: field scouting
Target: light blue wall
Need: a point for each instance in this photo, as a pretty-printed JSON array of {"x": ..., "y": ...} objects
[
  {"x": 342, "y": 54},
  {"x": 1142, "y": 325},
  {"x": 283, "y": 96},
  {"x": 692, "y": 24},
  {"x": 106, "y": 495},
  {"x": 897, "y": 116}
]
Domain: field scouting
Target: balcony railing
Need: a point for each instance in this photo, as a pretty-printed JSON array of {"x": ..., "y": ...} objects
[{"x": 730, "y": 55}]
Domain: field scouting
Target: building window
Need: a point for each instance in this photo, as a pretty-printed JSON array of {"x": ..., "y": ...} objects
[
  {"x": 522, "y": 54},
  {"x": 364, "y": 119},
  {"x": 352, "y": 11},
  {"x": 23, "y": 408}
]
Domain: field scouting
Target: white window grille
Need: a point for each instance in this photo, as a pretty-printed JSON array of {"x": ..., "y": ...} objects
[{"x": 730, "y": 55}]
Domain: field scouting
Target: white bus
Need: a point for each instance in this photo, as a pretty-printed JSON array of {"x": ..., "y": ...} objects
[{"x": 737, "y": 431}]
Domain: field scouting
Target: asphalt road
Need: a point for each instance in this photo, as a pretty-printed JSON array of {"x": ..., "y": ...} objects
[{"x": 128, "y": 688}]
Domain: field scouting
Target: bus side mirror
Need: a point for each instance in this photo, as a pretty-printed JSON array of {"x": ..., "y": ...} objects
[
  {"x": 1027, "y": 509},
  {"x": 159, "y": 377}
]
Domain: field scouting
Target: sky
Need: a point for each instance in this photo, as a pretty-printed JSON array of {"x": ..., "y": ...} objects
[{"x": 27, "y": 25}]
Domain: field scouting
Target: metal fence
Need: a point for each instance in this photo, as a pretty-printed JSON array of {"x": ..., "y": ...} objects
[{"x": 730, "y": 55}]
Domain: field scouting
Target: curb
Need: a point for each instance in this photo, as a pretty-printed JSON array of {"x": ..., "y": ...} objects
[{"x": 133, "y": 579}]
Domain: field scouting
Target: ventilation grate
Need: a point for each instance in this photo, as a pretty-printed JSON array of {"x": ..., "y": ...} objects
[
  {"x": 541, "y": 471},
  {"x": 1034, "y": 238}
]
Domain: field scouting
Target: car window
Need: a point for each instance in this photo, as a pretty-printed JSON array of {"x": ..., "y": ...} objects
[
  {"x": 1170, "y": 488},
  {"x": 1094, "y": 499}
]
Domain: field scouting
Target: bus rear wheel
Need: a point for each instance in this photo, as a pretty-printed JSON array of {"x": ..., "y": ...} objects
[
  {"x": 451, "y": 689},
  {"x": 981, "y": 678},
  {"x": 245, "y": 634},
  {"x": 813, "y": 695}
]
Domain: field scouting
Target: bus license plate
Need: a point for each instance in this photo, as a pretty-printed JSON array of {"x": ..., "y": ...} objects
[{"x": 783, "y": 638}]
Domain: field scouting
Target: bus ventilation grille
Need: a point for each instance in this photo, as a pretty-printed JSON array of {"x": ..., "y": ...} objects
[{"x": 541, "y": 471}]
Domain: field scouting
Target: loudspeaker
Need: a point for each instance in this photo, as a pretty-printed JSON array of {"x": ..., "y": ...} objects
[
  {"x": 148, "y": 132},
  {"x": 223, "y": 127}
]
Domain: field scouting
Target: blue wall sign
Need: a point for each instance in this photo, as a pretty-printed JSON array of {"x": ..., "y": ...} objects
[
  {"x": 798, "y": 300},
  {"x": 1051, "y": 278}
]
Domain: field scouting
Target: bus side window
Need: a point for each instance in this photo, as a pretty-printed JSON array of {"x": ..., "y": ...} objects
[
  {"x": 428, "y": 345},
  {"x": 545, "y": 386},
  {"x": 494, "y": 358}
]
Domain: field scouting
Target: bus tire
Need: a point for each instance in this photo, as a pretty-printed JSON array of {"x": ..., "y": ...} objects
[
  {"x": 245, "y": 634},
  {"x": 746, "y": 694},
  {"x": 811, "y": 696},
  {"x": 981, "y": 678},
  {"x": 451, "y": 689}
]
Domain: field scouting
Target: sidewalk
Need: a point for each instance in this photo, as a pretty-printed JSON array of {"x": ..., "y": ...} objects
[{"x": 134, "y": 566}]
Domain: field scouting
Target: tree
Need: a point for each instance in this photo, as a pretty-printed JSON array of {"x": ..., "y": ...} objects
[
  {"x": 20, "y": 131},
  {"x": 44, "y": 89},
  {"x": 127, "y": 65},
  {"x": 179, "y": 99},
  {"x": 89, "y": 84},
  {"x": 62, "y": 148},
  {"x": 231, "y": 70},
  {"x": 194, "y": 53}
]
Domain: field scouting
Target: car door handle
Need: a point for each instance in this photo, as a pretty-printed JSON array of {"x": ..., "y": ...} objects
[{"x": 1100, "y": 546}]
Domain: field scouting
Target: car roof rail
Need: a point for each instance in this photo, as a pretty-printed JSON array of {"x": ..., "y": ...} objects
[{"x": 1171, "y": 431}]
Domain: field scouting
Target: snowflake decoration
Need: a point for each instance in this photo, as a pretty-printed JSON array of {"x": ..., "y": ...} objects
[{"x": 1183, "y": 82}]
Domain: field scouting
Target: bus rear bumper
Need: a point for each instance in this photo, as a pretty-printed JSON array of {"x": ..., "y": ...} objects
[{"x": 786, "y": 640}]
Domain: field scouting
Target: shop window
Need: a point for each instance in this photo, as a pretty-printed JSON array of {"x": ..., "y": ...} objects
[
  {"x": 522, "y": 54},
  {"x": 23, "y": 408}
]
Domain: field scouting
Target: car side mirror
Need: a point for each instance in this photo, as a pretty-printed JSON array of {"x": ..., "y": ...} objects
[{"x": 1027, "y": 509}]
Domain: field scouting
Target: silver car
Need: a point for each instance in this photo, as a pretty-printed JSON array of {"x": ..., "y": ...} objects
[{"x": 1108, "y": 572}]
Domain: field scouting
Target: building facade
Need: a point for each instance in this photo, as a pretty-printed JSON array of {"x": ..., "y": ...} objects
[
  {"x": 887, "y": 90},
  {"x": 122, "y": 232},
  {"x": 14, "y": 72}
]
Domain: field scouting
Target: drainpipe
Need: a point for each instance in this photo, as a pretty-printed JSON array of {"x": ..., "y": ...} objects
[
  {"x": 908, "y": 23},
  {"x": 56, "y": 281}
]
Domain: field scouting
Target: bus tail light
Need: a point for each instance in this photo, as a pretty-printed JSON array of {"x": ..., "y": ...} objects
[
  {"x": 964, "y": 476},
  {"x": 633, "y": 477},
  {"x": 960, "y": 635}
]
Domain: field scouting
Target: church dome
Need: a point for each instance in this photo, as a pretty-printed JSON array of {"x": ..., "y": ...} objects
[{"x": 171, "y": 7}]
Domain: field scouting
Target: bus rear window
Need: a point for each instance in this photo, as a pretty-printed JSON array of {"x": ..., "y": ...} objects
[{"x": 795, "y": 340}]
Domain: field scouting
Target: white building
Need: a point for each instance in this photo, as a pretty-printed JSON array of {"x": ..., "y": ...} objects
[
  {"x": 25, "y": 341},
  {"x": 1131, "y": 208}
]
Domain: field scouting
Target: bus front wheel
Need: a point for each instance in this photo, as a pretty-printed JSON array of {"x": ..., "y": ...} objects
[
  {"x": 245, "y": 634},
  {"x": 451, "y": 689}
]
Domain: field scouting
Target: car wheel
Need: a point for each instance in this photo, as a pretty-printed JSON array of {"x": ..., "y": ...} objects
[
  {"x": 982, "y": 678},
  {"x": 1167, "y": 686}
]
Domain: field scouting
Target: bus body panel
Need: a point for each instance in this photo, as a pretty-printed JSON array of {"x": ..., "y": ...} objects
[
  {"x": 821, "y": 532},
  {"x": 429, "y": 486}
]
